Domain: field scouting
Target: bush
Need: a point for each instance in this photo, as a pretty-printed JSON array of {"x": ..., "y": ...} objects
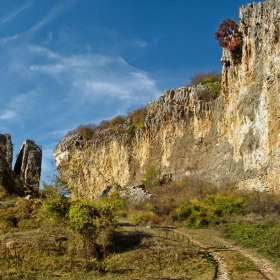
[
  {"x": 85, "y": 130},
  {"x": 144, "y": 217},
  {"x": 151, "y": 178},
  {"x": 56, "y": 209},
  {"x": 208, "y": 78},
  {"x": 228, "y": 35},
  {"x": 210, "y": 210},
  {"x": 212, "y": 80},
  {"x": 138, "y": 117},
  {"x": 118, "y": 120},
  {"x": 215, "y": 90},
  {"x": 55, "y": 189},
  {"x": 103, "y": 124},
  {"x": 230, "y": 38},
  {"x": 262, "y": 203}
]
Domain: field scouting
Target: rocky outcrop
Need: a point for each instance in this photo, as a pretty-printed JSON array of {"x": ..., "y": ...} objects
[
  {"x": 6, "y": 151},
  {"x": 25, "y": 177},
  {"x": 6, "y": 157},
  {"x": 28, "y": 166},
  {"x": 133, "y": 194},
  {"x": 234, "y": 138}
]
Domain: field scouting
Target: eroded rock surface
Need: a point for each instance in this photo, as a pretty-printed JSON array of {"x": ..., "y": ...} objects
[
  {"x": 6, "y": 151},
  {"x": 234, "y": 138},
  {"x": 28, "y": 166},
  {"x": 25, "y": 177},
  {"x": 134, "y": 194}
]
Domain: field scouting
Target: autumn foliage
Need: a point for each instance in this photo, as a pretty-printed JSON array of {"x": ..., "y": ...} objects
[{"x": 228, "y": 35}]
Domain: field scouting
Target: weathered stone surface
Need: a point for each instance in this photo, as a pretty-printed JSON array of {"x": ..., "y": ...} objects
[
  {"x": 6, "y": 157},
  {"x": 6, "y": 151},
  {"x": 27, "y": 171},
  {"x": 134, "y": 194},
  {"x": 234, "y": 138},
  {"x": 28, "y": 166}
]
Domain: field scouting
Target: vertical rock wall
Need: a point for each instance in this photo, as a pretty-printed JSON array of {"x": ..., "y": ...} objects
[
  {"x": 234, "y": 138},
  {"x": 251, "y": 96},
  {"x": 6, "y": 151},
  {"x": 28, "y": 166},
  {"x": 27, "y": 170}
]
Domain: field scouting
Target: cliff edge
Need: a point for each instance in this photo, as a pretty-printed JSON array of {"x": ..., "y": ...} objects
[{"x": 234, "y": 138}]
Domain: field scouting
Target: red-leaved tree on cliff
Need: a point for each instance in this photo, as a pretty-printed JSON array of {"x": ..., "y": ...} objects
[{"x": 228, "y": 35}]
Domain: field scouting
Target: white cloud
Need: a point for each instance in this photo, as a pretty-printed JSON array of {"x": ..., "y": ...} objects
[
  {"x": 54, "y": 12},
  {"x": 46, "y": 90},
  {"x": 23, "y": 101},
  {"x": 8, "y": 115},
  {"x": 9, "y": 38},
  {"x": 14, "y": 14},
  {"x": 20, "y": 107},
  {"x": 91, "y": 76}
]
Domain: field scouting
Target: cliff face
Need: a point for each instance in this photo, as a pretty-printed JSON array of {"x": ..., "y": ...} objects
[
  {"x": 234, "y": 138},
  {"x": 28, "y": 166},
  {"x": 25, "y": 177},
  {"x": 6, "y": 151}
]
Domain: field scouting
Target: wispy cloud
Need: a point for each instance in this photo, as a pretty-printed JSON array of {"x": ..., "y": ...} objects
[
  {"x": 54, "y": 12},
  {"x": 20, "y": 107},
  {"x": 46, "y": 90},
  {"x": 8, "y": 115},
  {"x": 91, "y": 76},
  {"x": 14, "y": 14}
]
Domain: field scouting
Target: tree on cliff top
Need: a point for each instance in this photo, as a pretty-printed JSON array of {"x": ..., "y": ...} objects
[{"x": 228, "y": 35}]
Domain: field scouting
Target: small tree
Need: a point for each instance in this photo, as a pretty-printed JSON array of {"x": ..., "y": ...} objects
[
  {"x": 138, "y": 117},
  {"x": 118, "y": 120},
  {"x": 205, "y": 78},
  {"x": 151, "y": 178},
  {"x": 228, "y": 35}
]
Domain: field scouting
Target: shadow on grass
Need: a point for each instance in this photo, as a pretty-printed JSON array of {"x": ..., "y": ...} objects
[{"x": 124, "y": 241}]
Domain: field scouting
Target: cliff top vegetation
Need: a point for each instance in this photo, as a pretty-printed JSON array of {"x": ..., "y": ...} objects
[
  {"x": 230, "y": 37},
  {"x": 133, "y": 120},
  {"x": 136, "y": 119}
]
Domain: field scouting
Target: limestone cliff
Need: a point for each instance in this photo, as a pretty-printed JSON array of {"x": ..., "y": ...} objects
[
  {"x": 28, "y": 165},
  {"x": 25, "y": 177},
  {"x": 232, "y": 138}
]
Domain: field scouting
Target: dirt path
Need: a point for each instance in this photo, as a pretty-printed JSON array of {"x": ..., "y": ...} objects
[{"x": 234, "y": 262}]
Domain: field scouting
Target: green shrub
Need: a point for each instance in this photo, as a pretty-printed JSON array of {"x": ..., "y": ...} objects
[
  {"x": 118, "y": 120},
  {"x": 211, "y": 210},
  {"x": 215, "y": 90},
  {"x": 115, "y": 204},
  {"x": 208, "y": 78},
  {"x": 55, "y": 189},
  {"x": 151, "y": 177},
  {"x": 56, "y": 209},
  {"x": 144, "y": 217},
  {"x": 138, "y": 117},
  {"x": 82, "y": 218},
  {"x": 86, "y": 130},
  {"x": 212, "y": 80}
]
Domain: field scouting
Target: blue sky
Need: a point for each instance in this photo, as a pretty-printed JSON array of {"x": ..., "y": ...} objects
[{"x": 70, "y": 62}]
